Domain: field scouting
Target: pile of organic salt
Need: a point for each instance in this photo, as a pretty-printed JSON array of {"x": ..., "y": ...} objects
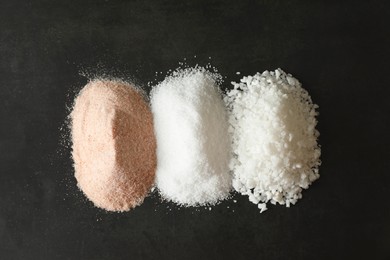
[
  {"x": 193, "y": 143},
  {"x": 275, "y": 148},
  {"x": 114, "y": 149}
]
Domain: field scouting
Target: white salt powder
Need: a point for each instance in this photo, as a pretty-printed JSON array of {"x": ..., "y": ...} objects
[
  {"x": 193, "y": 143},
  {"x": 272, "y": 121}
]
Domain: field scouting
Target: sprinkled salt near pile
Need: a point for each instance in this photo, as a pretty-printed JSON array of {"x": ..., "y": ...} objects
[
  {"x": 193, "y": 143},
  {"x": 275, "y": 148},
  {"x": 113, "y": 144}
]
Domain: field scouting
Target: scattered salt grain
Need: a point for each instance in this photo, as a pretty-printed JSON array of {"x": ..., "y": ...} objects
[
  {"x": 193, "y": 143},
  {"x": 272, "y": 122}
]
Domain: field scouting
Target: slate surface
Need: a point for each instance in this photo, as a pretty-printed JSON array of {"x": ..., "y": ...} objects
[{"x": 340, "y": 52}]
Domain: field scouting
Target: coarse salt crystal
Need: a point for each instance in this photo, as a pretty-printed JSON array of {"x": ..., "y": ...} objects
[{"x": 275, "y": 148}]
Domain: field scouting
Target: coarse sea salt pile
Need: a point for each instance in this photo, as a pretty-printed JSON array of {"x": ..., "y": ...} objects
[
  {"x": 193, "y": 142},
  {"x": 272, "y": 122}
]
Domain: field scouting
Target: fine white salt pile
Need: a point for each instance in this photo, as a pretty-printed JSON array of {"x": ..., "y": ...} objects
[
  {"x": 272, "y": 121},
  {"x": 193, "y": 143}
]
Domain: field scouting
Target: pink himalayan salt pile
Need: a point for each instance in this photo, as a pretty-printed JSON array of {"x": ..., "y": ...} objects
[{"x": 113, "y": 144}]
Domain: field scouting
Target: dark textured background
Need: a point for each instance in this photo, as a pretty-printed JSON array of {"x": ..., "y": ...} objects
[{"x": 340, "y": 52}]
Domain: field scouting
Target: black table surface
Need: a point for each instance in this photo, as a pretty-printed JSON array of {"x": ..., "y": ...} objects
[{"x": 339, "y": 50}]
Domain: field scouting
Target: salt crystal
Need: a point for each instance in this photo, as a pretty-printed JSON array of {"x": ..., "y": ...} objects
[
  {"x": 274, "y": 138},
  {"x": 193, "y": 142}
]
